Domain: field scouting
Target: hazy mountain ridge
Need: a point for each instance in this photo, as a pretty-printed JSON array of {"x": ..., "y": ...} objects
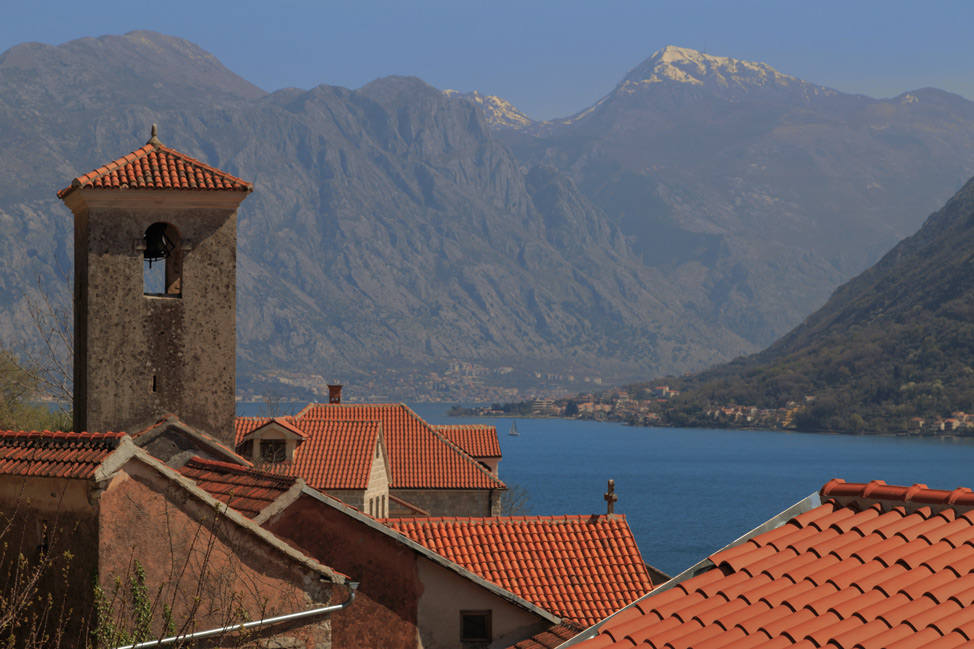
[
  {"x": 891, "y": 351},
  {"x": 387, "y": 229},
  {"x": 390, "y": 228},
  {"x": 756, "y": 191}
]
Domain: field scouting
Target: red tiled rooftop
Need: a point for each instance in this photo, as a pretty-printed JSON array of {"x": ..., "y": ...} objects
[
  {"x": 477, "y": 440},
  {"x": 580, "y": 568},
  {"x": 155, "y": 166},
  {"x": 419, "y": 457},
  {"x": 247, "y": 490},
  {"x": 331, "y": 455},
  {"x": 550, "y": 638},
  {"x": 55, "y": 454},
  {"x": 873, "y": 566}
]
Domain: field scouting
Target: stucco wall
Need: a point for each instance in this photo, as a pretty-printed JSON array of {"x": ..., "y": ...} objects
[
  {"x": 446, "y": 595},
  {"x": 385, "y": 609},
  {"x": 188, "y": 550},
  {"x": 56, "y": 511},
  {"x": 126, "y": 338}
]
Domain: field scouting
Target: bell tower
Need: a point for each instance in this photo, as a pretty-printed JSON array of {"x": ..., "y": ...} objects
[{"x": 155, "y": 249}]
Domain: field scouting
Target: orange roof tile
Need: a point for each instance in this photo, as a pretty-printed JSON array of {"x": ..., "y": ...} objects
[
  {"x": 581, "y": 568},
  {"x": 155, "y": 166},
  {"x": 332, "y": 455},
  {"x": 477, "y": 440},
  {"x": 247, "y": 490},
  {"x": 550, "y": 638},
  {"x": 419, "y": 457},
  {"x": 873, "y": 566},
  {"x": 55, "y": 454}
]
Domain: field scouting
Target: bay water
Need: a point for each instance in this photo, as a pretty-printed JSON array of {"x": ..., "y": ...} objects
[{"x": 687, "y": 492}]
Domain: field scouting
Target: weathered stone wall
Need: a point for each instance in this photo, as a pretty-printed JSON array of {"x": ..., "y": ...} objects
[
  {"x": 139, "y": 357},
  {"x": 377, "y": 491},
  {"x": 210, "y": 571},
  {"x": 452, "y": 502}
]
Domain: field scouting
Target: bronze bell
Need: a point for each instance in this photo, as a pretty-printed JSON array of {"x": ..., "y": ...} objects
[{"x": 157, "y": 244}]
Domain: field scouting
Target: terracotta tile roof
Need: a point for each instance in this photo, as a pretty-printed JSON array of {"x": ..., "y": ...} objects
[
  {"x": 550, "y": 638},
  {"x": 247, "y": 490},
  {"x": 55, "y": 455},
  {"x": 155, "y": 166},
  {"x": 332, "y": 455},
  {"x": 874, "y": 566},
  {"x": 419, "y": 457},
  {"x": 580, "y": 568},
  {"x": 477, "y": 440}
]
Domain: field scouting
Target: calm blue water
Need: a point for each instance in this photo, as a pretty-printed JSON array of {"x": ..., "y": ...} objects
[{"x": 689, "y": 492}]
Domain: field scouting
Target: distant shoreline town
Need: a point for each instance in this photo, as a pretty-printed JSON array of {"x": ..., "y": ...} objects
[{"x": 648, "y": 408}]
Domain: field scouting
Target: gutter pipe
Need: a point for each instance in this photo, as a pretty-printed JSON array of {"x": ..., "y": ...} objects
[{"x": 352, "y": 588}]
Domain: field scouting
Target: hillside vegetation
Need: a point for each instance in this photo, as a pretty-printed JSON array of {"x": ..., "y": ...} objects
[{"x": 893, "y": 344}]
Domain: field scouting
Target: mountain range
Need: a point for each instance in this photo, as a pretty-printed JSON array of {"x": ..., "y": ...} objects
[{"x": 695, "y": 214}]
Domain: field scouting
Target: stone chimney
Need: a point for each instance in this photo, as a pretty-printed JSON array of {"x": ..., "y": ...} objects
[{"x": 335, "y": 393}]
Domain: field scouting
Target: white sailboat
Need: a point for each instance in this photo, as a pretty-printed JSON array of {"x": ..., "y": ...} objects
[{"x": 513, "y": 430}]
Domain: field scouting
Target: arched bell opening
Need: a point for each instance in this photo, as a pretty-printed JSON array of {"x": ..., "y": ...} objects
[{"x": 162, "y": 265}]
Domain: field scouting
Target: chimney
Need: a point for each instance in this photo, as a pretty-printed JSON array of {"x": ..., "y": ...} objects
[{"x": 335, "y": 393}]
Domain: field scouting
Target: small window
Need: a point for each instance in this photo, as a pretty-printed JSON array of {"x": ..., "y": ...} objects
[
  {"x": 273, "y": 450},
  {"x": 475, "y": 626}
]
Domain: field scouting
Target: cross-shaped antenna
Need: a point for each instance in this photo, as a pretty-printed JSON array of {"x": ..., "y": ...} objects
[{"x": 611, "y": 498}]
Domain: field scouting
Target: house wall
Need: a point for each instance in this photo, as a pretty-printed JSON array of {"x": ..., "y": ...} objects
[
  {"x": 384, "y": 613},
  {"x": 405, "y": 601},
  {"x": 377, "y": 491},
  {"x": 125, "y": 338},
  {"x": 189, "y": 550},
  {"x": 34, "y": 510},
  {"x": 453, "y": 502},
  {"x": 446, "y": 595}
]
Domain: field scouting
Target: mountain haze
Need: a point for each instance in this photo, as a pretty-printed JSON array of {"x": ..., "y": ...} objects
[
  {"x": 755, "y": 191},
  {"x": 387, "y": 229},
  {"x": 691, "y": 216},
  {"x": 894, "y": 343}
]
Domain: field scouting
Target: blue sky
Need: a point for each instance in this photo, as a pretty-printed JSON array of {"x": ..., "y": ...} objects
[{"x": 549, "y": 58}]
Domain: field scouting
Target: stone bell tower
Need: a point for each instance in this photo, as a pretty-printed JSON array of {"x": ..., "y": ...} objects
[{"x": 155, "y": 248}]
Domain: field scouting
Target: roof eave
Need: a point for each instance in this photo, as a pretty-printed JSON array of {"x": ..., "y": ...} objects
[
  {"x": 432, "y": 556},
  {"x": 704, "y": 565}
]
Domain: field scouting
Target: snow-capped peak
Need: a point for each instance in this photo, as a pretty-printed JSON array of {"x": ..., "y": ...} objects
[
  {"x": 684, "y": 65},
  {"x": 500, "y": 113}
]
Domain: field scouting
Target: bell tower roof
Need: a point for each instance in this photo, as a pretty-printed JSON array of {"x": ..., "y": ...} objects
[{"x": 156, "y": 166}]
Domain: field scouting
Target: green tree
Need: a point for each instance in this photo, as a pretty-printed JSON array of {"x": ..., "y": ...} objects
[{"x": 18, "y": 392}]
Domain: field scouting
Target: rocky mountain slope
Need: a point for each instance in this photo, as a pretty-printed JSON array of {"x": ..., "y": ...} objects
[
  {"x": 691, "y": 216},
  {"x": 388, "y": 228},
  {"x": 891, "y": 345},
  {"x": 754, "y": 191}
]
